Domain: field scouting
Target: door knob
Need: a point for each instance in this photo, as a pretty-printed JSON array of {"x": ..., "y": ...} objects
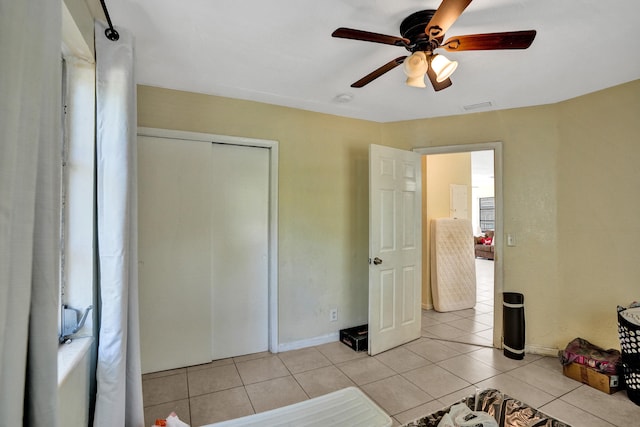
[{"x": 377, "y": 261}]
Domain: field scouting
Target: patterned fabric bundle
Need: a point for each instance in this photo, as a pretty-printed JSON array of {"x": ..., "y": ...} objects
[
  {"x": 507, "y": 411},
  {"x": 583, "y": 352}
]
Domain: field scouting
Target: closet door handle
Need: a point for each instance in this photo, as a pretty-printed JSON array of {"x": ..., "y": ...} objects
[{"x": 377, "y": 261}]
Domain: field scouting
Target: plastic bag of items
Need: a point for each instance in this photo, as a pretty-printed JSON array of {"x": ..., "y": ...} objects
[{"x": 460, "y": 415}]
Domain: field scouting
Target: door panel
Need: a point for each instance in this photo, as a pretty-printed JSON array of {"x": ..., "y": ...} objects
[
  {"x": 174, "y": 254},
  {"x": 408, "y": 295},
  {"x": 387, "y": 303},
  {"x": 239, "y": 262},
  {"x": 409, "y": 220},
  {"x": 395, "y": 194},
  {"x": 387, "y": 220}
]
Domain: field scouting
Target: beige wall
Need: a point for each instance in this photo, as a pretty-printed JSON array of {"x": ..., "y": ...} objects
[
  {"x": 439, "y": 171},
  {"x": 530, "y": 141},
  {"x": 598, "y": 211},
  {"x": 570, "y": 182},
  {"x": 323, "y": 199},
  {"x": 569, "y": 179}
]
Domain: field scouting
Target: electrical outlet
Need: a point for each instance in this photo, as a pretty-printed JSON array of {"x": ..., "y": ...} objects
[{"x": 333, "y": 314}]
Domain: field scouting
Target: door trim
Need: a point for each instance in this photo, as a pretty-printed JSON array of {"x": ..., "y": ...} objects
[
  {"x": 498, "y": 284},
  {"x": 272, "y": 146}
]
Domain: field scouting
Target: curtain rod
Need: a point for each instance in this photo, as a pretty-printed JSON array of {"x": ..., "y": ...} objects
[{"x": 110, "y": 32}]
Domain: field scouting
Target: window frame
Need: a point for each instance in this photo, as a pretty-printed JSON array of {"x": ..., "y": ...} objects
[{"x": 77, "y": 216}]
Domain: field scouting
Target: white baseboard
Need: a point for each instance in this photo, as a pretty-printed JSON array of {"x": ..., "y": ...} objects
[
  {"x": 335, "y": 336},
  {"x": 296, "y": 345},
  {"x": 543, "y": 351}
]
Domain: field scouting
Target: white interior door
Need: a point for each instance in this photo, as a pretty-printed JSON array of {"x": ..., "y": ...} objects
[
  {"x": 240, "y": 250},
  {"x": 458, "y": 201},
  {"x": 395, "y": 269}
]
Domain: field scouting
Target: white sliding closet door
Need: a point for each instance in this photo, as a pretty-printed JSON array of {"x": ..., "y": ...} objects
[
  {"x": 174, "y": 194},
  {"x": 204, "y": 242},
  {"x": 240, "y": 250}
]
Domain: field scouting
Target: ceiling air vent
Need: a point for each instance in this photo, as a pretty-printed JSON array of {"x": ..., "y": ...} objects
[{"x": 478, "y": 106}]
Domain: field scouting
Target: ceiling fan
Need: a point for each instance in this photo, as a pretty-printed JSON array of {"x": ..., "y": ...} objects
[{"x": 422, "y": 33}]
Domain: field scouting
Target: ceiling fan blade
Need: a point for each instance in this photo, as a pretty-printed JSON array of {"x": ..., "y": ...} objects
[
  {"x": 491, "y": 41},
  {"x": 437, "y": 86},
  {"x": 445, "y": 16},
  {"x": 380, "y": 71},
  {"x": 350, "y": 33}
]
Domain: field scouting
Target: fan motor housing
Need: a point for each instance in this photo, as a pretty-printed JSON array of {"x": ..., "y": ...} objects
[{"x": 413, "y": 26}]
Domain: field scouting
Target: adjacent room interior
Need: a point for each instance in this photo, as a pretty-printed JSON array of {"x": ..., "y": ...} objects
[{"x": 474, "y": 172}]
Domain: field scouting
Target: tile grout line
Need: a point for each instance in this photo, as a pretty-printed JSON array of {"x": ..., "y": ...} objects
[
  {"x": 186, "y": 374},
  {"x": 293, "y": 376},
  {"x": 572, "y": 405},
  {"x": 244, "y": 386}
]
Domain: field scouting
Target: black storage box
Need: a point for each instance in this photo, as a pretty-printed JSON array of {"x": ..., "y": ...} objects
[{"x": 357, "y": 337}]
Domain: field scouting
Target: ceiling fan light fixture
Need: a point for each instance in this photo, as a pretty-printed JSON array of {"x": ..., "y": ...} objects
[
  {"x": 415, "y": 65},
  {"x": 416, "y": 81},
  {"x": 443, "y": 67}
]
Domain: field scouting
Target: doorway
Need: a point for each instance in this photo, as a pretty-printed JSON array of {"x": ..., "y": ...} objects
[{"x": 489, "y": 309}]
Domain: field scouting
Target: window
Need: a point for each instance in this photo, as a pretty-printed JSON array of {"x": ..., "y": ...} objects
[
  {"x": 63, "y": 189},
  {"x": 77, "y": 265},
  {"x": 487, "y": 213},
  {"x": 77, "y": 213}
]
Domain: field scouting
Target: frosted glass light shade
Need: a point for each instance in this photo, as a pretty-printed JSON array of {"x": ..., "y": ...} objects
[
  {"x": 443, "y": 67},
  {"x": 416, "y": 64},
  {"x": 415, "y": 67},
  {"x": 416, "y": 81}
]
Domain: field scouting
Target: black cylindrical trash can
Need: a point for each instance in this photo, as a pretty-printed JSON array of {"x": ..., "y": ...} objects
[{"x": 513, "y": 325}]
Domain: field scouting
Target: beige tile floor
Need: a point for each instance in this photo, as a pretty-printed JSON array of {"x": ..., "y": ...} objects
[
  {"x": 471, "y": 326},
  {"x": 407, "y": 382}
]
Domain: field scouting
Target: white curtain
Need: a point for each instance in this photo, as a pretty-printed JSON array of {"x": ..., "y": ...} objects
[
  {"x": 30, "y": 162},
  {"x": 119, "y": 392}
]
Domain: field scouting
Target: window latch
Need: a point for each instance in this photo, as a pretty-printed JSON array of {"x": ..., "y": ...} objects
[{"x": 70, "y": 322}]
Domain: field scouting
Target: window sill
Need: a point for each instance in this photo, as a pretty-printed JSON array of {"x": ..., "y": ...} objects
[{"x": 70, "y": 355}]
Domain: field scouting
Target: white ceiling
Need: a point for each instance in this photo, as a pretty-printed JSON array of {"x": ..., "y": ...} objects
[{"x": 281, "y": 52}]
